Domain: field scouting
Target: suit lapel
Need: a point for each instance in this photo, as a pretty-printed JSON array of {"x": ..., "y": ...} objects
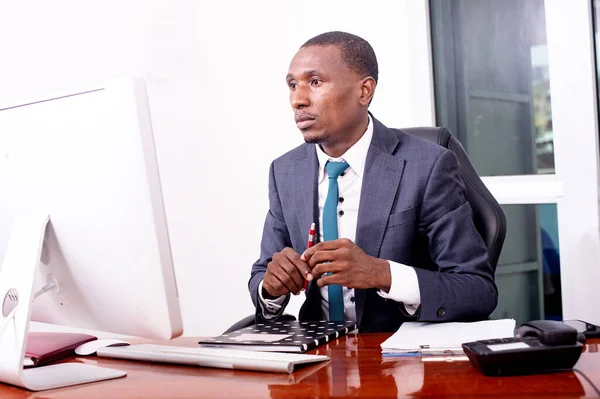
[
  {"x": 383, "y": 172},
  {"x": 307, "y": 211},
  {"x": 306, "y": 192}
]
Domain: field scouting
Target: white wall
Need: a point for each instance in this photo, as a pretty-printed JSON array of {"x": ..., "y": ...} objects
[{"x": 215, "y": 74}]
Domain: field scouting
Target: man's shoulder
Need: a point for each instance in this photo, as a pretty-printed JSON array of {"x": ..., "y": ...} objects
[
  {"x": 294, "y": 155},
  {"x": 411, "y": 141},
  {"x": 415, "y": 147},
  {"x": 410, "y": 145}
]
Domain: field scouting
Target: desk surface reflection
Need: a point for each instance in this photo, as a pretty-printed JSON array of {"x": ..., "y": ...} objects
[{"x": 356, "y": 369}]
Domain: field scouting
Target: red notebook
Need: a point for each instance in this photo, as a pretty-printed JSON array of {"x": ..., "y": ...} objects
[{"x": 46, "y": 347}]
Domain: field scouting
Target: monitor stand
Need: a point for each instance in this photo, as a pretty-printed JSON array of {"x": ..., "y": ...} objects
[{"x": 16, "y": 293}]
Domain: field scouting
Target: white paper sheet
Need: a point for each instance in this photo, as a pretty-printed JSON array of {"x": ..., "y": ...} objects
[{"x": 411, "y": 336}]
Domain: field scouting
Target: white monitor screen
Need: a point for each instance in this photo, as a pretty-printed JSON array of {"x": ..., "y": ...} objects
[{"x": 86, "y": 158}]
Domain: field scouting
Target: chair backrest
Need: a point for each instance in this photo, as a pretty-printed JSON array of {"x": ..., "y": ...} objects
[{"x": 488, "y": 216}]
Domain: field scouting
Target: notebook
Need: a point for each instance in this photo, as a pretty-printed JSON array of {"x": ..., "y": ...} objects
[
  {"x": 282, "y": 336},
  {"x": 46, "y": 347}
]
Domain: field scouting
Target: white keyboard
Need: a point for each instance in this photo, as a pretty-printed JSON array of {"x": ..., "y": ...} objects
[{"x": 212, "y": 357}]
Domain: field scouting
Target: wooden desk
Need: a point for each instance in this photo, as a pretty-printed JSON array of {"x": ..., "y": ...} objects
[{"x": 356, "y": 369}]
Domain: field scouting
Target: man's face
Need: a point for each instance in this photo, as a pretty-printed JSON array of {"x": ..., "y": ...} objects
[{"x": 324, "y": 94}]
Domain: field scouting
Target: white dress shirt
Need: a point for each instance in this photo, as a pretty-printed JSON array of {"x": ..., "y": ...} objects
[{"x": 404, "y": 285}]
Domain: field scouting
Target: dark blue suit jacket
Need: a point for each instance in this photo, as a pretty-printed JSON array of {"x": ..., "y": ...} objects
[{"x": 412, "y": 210}]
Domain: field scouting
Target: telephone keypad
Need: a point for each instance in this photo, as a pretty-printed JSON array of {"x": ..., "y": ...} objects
[{"x": 500, "y": 341}]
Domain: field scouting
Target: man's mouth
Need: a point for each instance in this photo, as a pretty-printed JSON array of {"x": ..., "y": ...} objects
[{"x": 304, "y": 121}]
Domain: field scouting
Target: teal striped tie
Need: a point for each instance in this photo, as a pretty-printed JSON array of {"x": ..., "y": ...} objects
[{"x": 330, "y": 232}]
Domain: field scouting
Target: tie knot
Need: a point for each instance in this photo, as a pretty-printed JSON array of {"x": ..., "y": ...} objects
[{"x": 335, "y": 169}]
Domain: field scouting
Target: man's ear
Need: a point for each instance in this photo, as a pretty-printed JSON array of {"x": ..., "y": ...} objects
[{"x": 367, "y": 87}]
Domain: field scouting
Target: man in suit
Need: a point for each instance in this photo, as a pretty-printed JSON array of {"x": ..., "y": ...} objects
[{"x": 397, "y": 239}]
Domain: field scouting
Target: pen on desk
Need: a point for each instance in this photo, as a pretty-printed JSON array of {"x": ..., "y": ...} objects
[
  {"x": 440, "y": 351},
  {"x": 311, "y": 241},
  {"x": 453, "y": 358}
]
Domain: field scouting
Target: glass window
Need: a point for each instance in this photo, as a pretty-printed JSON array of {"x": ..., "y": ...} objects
[
  {"x": 528, "y": 272},
  {"x": 491, "y": 82}
]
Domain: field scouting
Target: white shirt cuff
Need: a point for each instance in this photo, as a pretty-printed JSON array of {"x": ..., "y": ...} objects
[
  {"x": 404, "y": 287},
  {"x": 269, "y": 307}
]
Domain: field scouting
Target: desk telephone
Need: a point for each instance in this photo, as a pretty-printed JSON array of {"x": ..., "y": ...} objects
[{"x": 542, "y": 345}]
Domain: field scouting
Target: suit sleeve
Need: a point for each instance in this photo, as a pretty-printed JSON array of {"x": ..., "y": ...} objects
[
  {"x": 463, "y": 287},
  {"x": 275, "y": 238}
]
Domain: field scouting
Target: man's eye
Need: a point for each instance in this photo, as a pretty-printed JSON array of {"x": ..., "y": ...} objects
[
  {"x": 292, "y": 85},
  {"x": 315, "y": 82}
]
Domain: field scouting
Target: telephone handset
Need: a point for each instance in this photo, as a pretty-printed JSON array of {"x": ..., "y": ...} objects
[
  {"x": 541, "y": 345},
  {"x": 550, "y": 332}
]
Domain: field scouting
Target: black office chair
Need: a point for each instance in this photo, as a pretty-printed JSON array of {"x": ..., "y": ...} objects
[{"x": 488, "y": 216}]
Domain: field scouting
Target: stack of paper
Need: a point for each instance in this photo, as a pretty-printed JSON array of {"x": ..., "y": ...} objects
[{"x": 416, "y": 338}]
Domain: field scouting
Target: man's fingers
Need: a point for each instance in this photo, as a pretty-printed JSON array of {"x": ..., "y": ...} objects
[
  {"x": 326, "y": 256},
  {"x": 324, "y": 246},
  {"x": 328, "y": 267},
  {"x": 297, "y": 280},
  {"x": 327, "y": 280},
  {"x": 286, "y": 281},
  {"x": 302, "y": 267},
  {"x": 294, "y": 258},
  {"x": 273, "y": 286}
]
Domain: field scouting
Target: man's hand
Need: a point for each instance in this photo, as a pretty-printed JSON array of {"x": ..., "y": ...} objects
[
  {"x": 285, "y": 274},
  {"x": 350, "y": 265}
]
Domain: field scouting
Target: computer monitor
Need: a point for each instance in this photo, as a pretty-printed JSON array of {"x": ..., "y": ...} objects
[{"x": 82, "y": 223}]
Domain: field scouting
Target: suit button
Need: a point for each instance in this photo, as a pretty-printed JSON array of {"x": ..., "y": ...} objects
[
  {"x": 352, "y": 299},
  {"x": 441, "y": 312},
  {"x": 341, "y": 199},
  {"x": 341, "y": 213}
]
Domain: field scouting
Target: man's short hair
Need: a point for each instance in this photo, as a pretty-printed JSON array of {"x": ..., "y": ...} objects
[{"x": 357, "y": 53}]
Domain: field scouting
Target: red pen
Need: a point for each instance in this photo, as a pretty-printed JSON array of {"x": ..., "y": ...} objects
[{"x": 311, "y": 241}]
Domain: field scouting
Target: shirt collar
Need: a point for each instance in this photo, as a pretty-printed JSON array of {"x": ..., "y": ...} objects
[{"x": 356, "y": 156}]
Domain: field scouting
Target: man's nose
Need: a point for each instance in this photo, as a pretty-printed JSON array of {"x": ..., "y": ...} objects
[{"x": 299, "y": 98}]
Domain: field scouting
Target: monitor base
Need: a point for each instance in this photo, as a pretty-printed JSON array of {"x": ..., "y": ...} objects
[
  {"x": 66, "y": 374},
  {"x": 16, "y": 287}
]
